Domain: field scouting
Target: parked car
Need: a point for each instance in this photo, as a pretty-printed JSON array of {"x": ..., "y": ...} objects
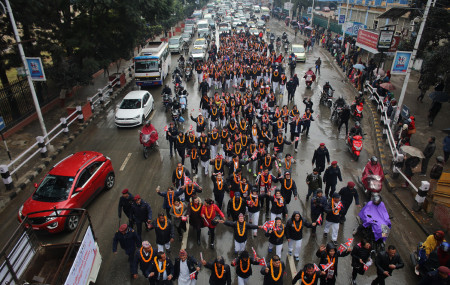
[
  {"x": 201, "y": 43},
  {"x": 134, "y": 108},
  {"x": 198, "y": 53},
  {"x": 72, "y": 183},
  {"x": 299, "y": 52},
  {"x": 176, "y": 44}
]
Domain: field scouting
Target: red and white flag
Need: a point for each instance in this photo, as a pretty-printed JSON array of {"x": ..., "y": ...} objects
[
  {"x": 326, "y": 266},
  {"x": 319, "y": 219},
  {"x": 166, "y": 128},
  {"x": 255, "y": 153},
  {"x": 188, "y": 180},
  {"x": 191, "y": 127},
  {"x": 255, "y": 256},
  {"x": 366, "y": 267},
  {"x": 316, "y": 268},
  {"x": 296, "y": 138},
  {"x": 262, "y": 261},
  {"x": 192, "y": 275},
  {"x": 342, "y": 248}
]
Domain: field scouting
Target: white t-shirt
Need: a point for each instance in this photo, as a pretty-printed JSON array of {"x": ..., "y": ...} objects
[{"x": 184, "y": 272}]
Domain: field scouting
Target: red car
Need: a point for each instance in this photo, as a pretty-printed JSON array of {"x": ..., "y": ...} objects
[{"x": 72, "y": 183}]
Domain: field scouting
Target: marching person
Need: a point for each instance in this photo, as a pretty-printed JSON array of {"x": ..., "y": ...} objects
[
  {"x": 186, "y": 269},
  {"x": 274, "y": 271},
  {"x": 333, "y": 210},
  {"x": 179, "y": 175},
  {"x": 314, "y": 182},
  {"x": 169, "y": 197},
  {"x": 142, "y": 213},
  {"x": 308, "y": 275},
  {"x": 296, "y": 129},
  {"x": 180, "y": 145},
  {"x": 126, "y": 204},
  {"x": 243, "y": 266},
  {"x": 171, "y": 136},
  {"x": 278, "y": 208},
  {"x": 254, "y": 207},
  {"x": 347, "y": 195},
  {"x": 235, "y": 207},
  {"x": 201, "y": 124},
  {"x": 287, "y": 163},
  {"x": 190, "y": 190},
  {"x": 240, "y": 232},
  {"x": 288, "y": 188},
  {"x": 294, "y": 233},
  {"x": 320, "y": 154},
  {"x": 128, "y": 240},
  {"x": 163, "y": 231},
  {"x": 205, "y": 156},
  {"x": 209, "y": 213},
  {"x": 318, "y": 205},
  {"x": 161, "y": 270},
  {"x": 195, "y": 157},
  {"x": 332, "y": 174},
  {"x": 220, "y": 272},
  {"x": 143, "y": 258},
  {"x": 195, "y": 218},
  {"x": 178, "y": 212},
  {"x": 219, "y": 188},
  {"x": 360, "y": 257},
  {"x": 386, "y": 262},
  {"x": 264, "y": 183},
  {"x": 330, "y": 256},
  {"x": 276, "y": 236}
]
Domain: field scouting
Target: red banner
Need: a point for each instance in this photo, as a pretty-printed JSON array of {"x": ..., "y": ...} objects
[{"x": 368, "y": 40}]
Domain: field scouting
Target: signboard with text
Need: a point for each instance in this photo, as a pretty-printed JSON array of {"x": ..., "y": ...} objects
[
  {"x": 401, "y": 62},
  {"x": 341, "y": 19},
  {"x": 368, "y": 40},
  {"x": 352, "y": 28},
  {"x": 385, "y": 39},
  {"x": 36, "y": 68}
]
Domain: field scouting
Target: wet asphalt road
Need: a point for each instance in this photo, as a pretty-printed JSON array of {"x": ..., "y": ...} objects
[{"x": 143, "y": 176}]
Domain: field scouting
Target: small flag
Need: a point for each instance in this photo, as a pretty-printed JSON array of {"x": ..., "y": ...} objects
[
  {"x": 316, "y": 268},
  {"x": 342, "y": 248},
  {"x": 366, "y": 267},
  {"x": 276, "y": 149},
  {"x": 262, "y": 262},
  {"x": 326, "y": 266},
  {"x": 191, "y": 128},
  {"x": 166, "y": 128},
  {"x": 319, "y": 219},
  {"x": 254, "y": 254},
  {"x": 192, "y": 275},
  {"x": 268, "y": 225},
  {"x": 296, "y": 139},
  {"x": 201, "y": 256},
  {"x": 255, "y": 153}
]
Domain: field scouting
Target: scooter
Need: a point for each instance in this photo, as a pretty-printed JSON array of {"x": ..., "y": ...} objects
[
  {"x": 309, "y": 79},
  {"x": 176, "y": 112},
  {"x": 357, "y": 111},
  {"x": 355, "y": 146},
  {"x": 148, "y": 137},
  {"x": 286, "y": 47},
  {"x": 183, "y": 102},
  {"x": 188, "y": 73},
  {"x": 326, "y": 98}
]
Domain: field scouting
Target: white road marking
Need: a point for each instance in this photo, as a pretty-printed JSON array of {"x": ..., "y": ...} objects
[
  {"x": 292, "y": 267},
  {"x": 125, "y": 162}
]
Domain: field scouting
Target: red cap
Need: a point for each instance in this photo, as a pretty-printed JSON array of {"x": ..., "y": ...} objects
[
  {"x": 322, "y": 144},
  {"x": 351, "y": 184},
  {"x": 124, "y": 191},
  {"x": 334, "y": 162},
  {"x": 137, "y": 197},
  {"x": 123, "y": 227}
]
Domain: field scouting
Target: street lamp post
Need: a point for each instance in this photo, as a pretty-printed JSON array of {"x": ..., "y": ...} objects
[
  {"x": 344, "y": 26},
  {"x": 411, "y": 61},
  {"x": 312, "y": 15},
  {"x": 27, "y": 70}
]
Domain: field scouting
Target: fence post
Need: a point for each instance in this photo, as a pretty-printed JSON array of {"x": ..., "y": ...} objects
[
  {"x": 80, "y": 114},
  {"x": 41, "y": 145},
  {"x": 64, "y": 126},
  {"x": 91, "y": 103},
  {"x": 6, "y": 177},
  {"x": 100, "y": 96}
]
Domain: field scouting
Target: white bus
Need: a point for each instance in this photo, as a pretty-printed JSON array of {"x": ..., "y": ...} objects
[{"x": 152, "y": 65}]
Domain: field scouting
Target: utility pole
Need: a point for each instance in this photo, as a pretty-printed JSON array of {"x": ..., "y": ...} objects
[
  {"x": 411, "y": 61},
  {"x": 27, "y": 71},
  {"x": 312, "y": 15},
  {"x": 344, "y": 26}
]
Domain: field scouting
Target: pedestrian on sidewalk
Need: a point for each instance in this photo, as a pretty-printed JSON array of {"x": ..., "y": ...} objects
[
  {"x": 435, "y": 174},
  {"x": 318, "y": 63},
  {"x": 428, "y": 153},
  {"x": 332, "y": 174},
  {"x": 347, "y": 195},
  {"x": 386, "y": 262},
  {"x": 446, "y": 147}
]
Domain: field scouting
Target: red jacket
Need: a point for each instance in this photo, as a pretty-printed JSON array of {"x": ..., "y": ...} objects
[{"x": 210, "y": 212}]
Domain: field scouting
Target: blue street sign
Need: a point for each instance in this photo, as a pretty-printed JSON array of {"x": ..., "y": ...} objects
[
  {"x": 2, "y": 124},
  {"x": 341, "y": 19}
]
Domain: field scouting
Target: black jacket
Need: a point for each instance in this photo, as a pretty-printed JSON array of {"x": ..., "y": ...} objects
[
  {"x": 235, "y": 214},
  {"x": 214, "y": 280},
  {"x": 191, "y": 263},
  {"x": 128, "y": 241},
  {"x": 292, "y": 233},
  {"x": 273, "y": 239},
  {"x": 320, "y": 155},
  {"x": 358, "y": 253},
  {"x": 139, "y": 261},
  {"x": 331, "y": 175},
  {"x": 142, "y": 212},
  {"x": 249, "y": 272},
  {"x": 169, "y": 270},
  {"x": 236, "y": 235},
  {"x": 347, "y": 195},
  {"x": 268, "y": 280},
  {"x": 162, "y": 236},
  {"x": 298, "y": 277},
  {"x": 332, "y": 217},
  {"x": 382, "y": 262},
  {"x": 324, "y": 260},
  {"x": 125, "y": 205}
]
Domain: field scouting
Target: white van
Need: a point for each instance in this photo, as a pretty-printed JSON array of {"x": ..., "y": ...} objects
[
  {"x": 256, "y": 9},
  {"x": 202, "y": 25}
]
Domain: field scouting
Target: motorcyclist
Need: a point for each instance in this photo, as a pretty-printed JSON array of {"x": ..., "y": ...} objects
[
  {"x": 177, "y": 77},
  {"x": 375, "y": 209},
  {"x": 167, "y": 90},
  {"x": 284, "y": 36},
  {"x": 310, "y": 73},
  {"x": 327, "y": 87},
  {"x": 372, "y": 168},
  {"x": 149, "y": 129},
  {"x": 356, "y": 131},
  {"x": 181, "y": 59}
]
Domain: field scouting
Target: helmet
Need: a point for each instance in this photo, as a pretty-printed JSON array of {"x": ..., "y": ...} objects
[
  {"x": 357, "y": 124},
  {"x": 376, "y": 199},
  {"x": 440, "y": 159},
  {"x": 445, "y": 247},
  {"x": 148, "y": 122},
  {"x": 374, "y": 159}
]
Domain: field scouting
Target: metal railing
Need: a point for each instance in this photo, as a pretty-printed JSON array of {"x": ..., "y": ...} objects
[
  {"x": 98, "y": 101},
  {"x": 388, "y": 134}
]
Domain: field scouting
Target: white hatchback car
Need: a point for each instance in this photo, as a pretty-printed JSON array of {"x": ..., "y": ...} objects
[{"x": 134, "y": 108}]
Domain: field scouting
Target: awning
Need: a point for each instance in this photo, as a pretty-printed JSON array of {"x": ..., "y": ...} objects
[{"x": 395, "y": 13}]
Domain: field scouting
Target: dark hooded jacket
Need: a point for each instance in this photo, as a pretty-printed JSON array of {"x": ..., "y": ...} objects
[{"x": 291, "y": 231}]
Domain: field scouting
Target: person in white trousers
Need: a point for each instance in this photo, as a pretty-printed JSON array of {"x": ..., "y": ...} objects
[
  {"x": 243, "y": 266},
  {"x": 186, "y": 269},
  {"x": 294, "y": 233},
  {"x": 276, "y": 236},
  {"x": 241, "y": 229},
  {"x": 333, "y": 209}
]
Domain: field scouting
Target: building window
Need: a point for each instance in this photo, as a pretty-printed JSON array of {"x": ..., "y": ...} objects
[{"x": 375, "y": 24}]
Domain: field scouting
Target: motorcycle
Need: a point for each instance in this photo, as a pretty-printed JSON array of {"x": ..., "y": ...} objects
[
  {"x": 309, "y": 79},
  {"x": 337, "y": 110},
  {"x": 278, "y": 46},
  {"x": 167, "y": 101},
  {"x": 357, "y": 111},
  {"x": 148, "y": 137},
  {"x": 181, "y": 65},
  {"x": 372, "y": 178},
  {"x": 374, "y": 224},
  {"x": 355, "y": 146},
  {"x": 286, "y": 47},
  {"x": 188, "y": 72},
  {"x": 326, "y": 98},
  {"x": 176, "y": 113},
  {"x": 183, "y": 102}
]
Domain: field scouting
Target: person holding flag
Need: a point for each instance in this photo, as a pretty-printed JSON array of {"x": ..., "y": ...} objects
[
  {"x": 220, "y": 272},
  {"x": 296, "y": 128},
  {"x": 294, "y": 233},
  {"x": 209, "y": 213},
  {"x": 288, "y": 187},
  {"x": 142, "y": 258},
  {"x": 309, "y": 275},
  {"x": 194, "y": 215},
  {"x": 161, "y": 270},
  {"x": 318, "y": 204},
  {"x": 275, "y": 232},
  {"x": 240, "y": 232},
  {"x": 360, "y": 259},
  {"x": 274, "y": 271},
  {"x": 190, "y": 189},
  {"x": 328, "y": 263},
  {"x": 179, "y": 174},
  {"x": 195, "y": 158},
  {"x": 180, "y": 145},
  {"x": 243, "y": 266},
  {"x": 264, "y": 183},
  {"x": 333, "y": 210},
  {"x": 169, "y": 197},
  {"x": 287, "y": 163},
  {"x": 218, "y": 164},
  {"x": 186, "y": 269},
  {"x": 163, "y": 231},
  {"x": 178, "y": 211},
  {"x": 254, "y": 207},
  {"x": 278, "y": 209}
]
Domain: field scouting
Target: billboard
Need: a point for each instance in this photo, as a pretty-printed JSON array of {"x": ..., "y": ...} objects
[
  {"x": 36, "y": 68},
  {"x": 401, "y": 62},
  {"x": 368, "y": 40},
  {"x": 352, "y": 28},
  {"x": 385, "y": 39}
]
